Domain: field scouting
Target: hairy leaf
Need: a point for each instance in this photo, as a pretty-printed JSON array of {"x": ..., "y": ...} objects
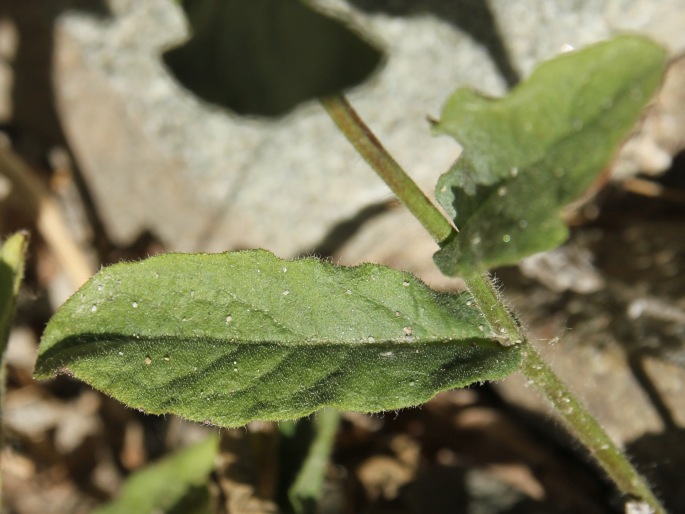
[
  {"x": 177, "y": 484},
  {"x": 531, "y": 153},
  {"x": 264, "y": 57},
  {"x": 234, "y": 337}
]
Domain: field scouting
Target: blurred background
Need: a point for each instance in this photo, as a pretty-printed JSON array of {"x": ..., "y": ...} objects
[{"x": 105, "y": 157}]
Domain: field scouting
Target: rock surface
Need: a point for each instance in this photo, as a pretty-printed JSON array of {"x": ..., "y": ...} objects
[{"x": 156, "y": 159}]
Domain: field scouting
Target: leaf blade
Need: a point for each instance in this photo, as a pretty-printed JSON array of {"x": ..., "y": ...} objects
[
  {"x": 265, "y": 58},
  {"x": 529, "y": 154},
  {"x": 229, "y": 338},
  {"x": 176, "y": 483}
]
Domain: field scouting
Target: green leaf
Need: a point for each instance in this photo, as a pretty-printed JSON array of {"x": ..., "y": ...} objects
[
  {"x": 264, "y": 57},
  {"x": 235, "y": 337},
  {"x": 306, "y": 490},
  {"x": 532, "y": 152},
  {"x": 175, "y": 484},
  {"x": 12, "y": 256}
]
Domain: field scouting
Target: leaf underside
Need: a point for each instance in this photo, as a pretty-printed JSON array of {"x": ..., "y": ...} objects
[
  {"x": 531, "y": 153},
  {"x": 235, "y": 337}
]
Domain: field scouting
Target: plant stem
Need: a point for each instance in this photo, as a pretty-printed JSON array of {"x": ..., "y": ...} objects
[
  {"x": 368, "y": 146},
  {"x": 494, "y": 311},
  {"x": 586, "y": 428},
  {"x": 576, "y": 417},
  {"x": 307, "y": 488}
]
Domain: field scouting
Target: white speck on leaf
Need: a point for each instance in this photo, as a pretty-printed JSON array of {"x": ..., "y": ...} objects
[
  {"x": 134, "y": 305},
  {"x": 94, "y": 308}
]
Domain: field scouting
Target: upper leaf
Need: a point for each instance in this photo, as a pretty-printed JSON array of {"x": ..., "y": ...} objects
[
  {"x": 264, "y": 56},
  {"x": 230, "y": 338},
  {"x": 532, "y": 152}
]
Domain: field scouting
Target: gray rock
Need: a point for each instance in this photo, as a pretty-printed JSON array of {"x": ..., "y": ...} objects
[{"x": 201, "y": 179}]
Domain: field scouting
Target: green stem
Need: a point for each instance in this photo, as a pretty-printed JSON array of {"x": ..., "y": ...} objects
[
  {"x": 586, "y": 428},
  {"x": 494, "y": 311},
  {"x": 576, "y": 417},
  {"x": 386, "y": 167},
  {"x": 306, "y": 490}
]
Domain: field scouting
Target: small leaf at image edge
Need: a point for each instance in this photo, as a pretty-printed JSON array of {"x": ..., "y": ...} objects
[{"x": 12, "y": 256}]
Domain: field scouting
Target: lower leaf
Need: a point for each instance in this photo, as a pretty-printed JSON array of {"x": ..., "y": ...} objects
[
  {"x": 176, "y": 484},
  {"x": 235, "y": 337}
]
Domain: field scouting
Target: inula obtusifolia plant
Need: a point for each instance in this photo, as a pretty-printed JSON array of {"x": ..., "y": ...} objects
[{"x": 229, "y": 338}]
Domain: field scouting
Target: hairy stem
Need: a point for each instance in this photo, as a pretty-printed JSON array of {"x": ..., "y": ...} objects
[
  {"x": 576, "y": 417},
  {"x": 368, "y": 146},
  {"x": 586, "y": 428},
  {"x": 494, "y": 311}
]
